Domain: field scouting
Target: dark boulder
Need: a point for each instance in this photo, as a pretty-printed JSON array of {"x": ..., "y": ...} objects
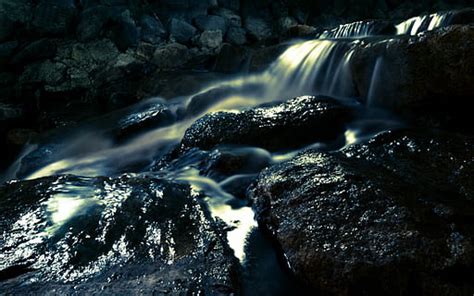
[
  {"x": 7, "y": 49},
  {"x": 230, "y": 4},
  {"x": 181, "y": 31},
  {"x": 427, "y": 79},
  {"x": 143, "y": 118},
  {"x": 128, "y": 235},
  {"x": 92, "y": 22},
  {"x": 211, "y": 22},
  {"x": 258, "y": 29},
  {"x": 388, "y": 217},
  {"x": 36, "y": 50},
  {"x": 124, "y": 34},
  {"x": 171, "y": 56},
  {"x": 231, "y": 58},
  {"x": 286, "y": 125},
  {"x": 236, "y": 36},
  {"x": 54, "y": 17},
  {"x": 152, "y": 30}
]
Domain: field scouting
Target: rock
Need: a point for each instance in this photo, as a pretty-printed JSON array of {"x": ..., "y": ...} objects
[
  {"x": 231, "y": 59},
  {"x": 125, "y": 35},
  {"x": 47, "y": 72},
  {"x": 54, "y": 16},
  {"x": 152, "y": 30},
  {"x": 181, "y": 31},
  {"x": 9, "y": 112},
  {"x": 6, "y": 28},
  {"x": 210, "y": 39},
  {"x": 230, "y": 4},
  {"x": 418, "y": 75},
  {"x": 169, "y": 56},
  {"x": 211, "y": 23},
  {"x": 6, "y": 50},
  {"x": 285, "y": 23},
  {"x": 91, "y": 23},
  {"x": 264, "y": 57},
  {"x": 36, "y": 50},
  {"x": 17, "y": 11},
  {"x": 282, "y": 126},
  {"x": 143, "y": 118},
  {"x": 258, "y": 29},
  {"x": 236, "y": 36},
  {"x": 301, "y": 31},
  {"x": 388, "y": 217},
  {"x": 231, "y": 18},
  {"x": 225, "y": 162},
  {"x": 147, "y": 236}
]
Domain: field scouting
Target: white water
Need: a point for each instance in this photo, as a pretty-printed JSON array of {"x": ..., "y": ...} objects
[
  {"x": 420, "y": 24},
  {"x": 305, "y": 68}
]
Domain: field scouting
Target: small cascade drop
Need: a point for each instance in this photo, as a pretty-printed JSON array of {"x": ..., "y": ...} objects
[
  {"x": 420, "y": 24},
  {"x": 359, "y": 29}
]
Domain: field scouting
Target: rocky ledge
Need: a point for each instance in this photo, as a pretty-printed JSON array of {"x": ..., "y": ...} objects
[{"x": 388, "y": 217}]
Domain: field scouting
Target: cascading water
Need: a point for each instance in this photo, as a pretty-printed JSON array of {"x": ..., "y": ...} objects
[
  {"x": 317, "y": 67},
  {"x": 419, "y": 24}
]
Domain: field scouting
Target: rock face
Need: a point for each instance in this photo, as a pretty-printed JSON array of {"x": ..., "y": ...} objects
[
  {"x": 286, "y": 125},
  {"x": 389, "y": 217},
  {"x": 419, "y": 74},
  {"x": 147, "y": 236}
]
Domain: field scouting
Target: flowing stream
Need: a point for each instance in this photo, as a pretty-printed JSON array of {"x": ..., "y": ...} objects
[{"x": 316, "y": 67}]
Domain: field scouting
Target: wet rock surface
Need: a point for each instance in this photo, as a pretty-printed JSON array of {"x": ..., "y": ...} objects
[
  {"x": 100, "y": 235},
  {"x": 390, "y": 216},
  {"x": 284, "y": 125},
  {"x": 428, "y": 79}
]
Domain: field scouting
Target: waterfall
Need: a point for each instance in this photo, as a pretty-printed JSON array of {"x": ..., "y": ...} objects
[
  {"x": 358, "y": 29},
  {"x": 317, "y": 67},
  {"x": 420, "y": 24}
]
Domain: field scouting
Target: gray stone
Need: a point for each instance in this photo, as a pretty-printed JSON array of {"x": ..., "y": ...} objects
[
  {"x": 231, "y": 59},
  {"x": 7, "y": 49},
  {"x": 47, "y": 72},
  {"x": 210, "y": 23},
  {"x": 54, "y": 16},
  {"x": 285, "y": 23},
  {"x": 6, "y": 28},
  {"x": 181, "y": 31},
  {"x": 258, "y": 28},
  {"x": 169, "y": 56},
  {"x": 152, "y": 30},
  {"x": 91, "y": 23},
  {"x": 236, "y": 35},
  {"x": 20, "y": 11},
  {"x": 230, "y": 4},
  {"x": 232, "y": 19},
  {"x": 210, "y": 39},
  {"x": 9, "y": 112},
  {"x": 37, "y": 50}
]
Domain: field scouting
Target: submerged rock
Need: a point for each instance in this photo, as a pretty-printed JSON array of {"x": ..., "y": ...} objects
[
  {"x": 286, "y": 125},
  {"x": 100, "y": 235},
  {"x": 388, "y": 217}
]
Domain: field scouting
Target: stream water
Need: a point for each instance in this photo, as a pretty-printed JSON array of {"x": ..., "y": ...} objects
[{"x": 316, "y": 67}]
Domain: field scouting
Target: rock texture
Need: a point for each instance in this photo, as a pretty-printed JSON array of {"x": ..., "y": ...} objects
[
  {"x": 387, "y": 217},
  {"x": 100, "y": 235},
  {"x": 285, "y": 125},
  {"x": 428, "y": 79}
]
